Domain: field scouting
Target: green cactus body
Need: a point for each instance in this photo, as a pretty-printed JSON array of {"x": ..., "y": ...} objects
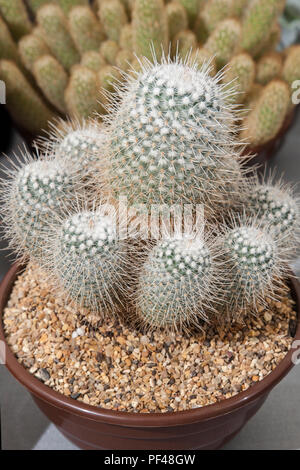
[
  {"x": 24, "y": 104},
  {"x": 67, "y": 5},
  {"x": 177, "y": 18},
  {"x": 52, "y": 79},
  {"x": 34, "y": 5},
  {"x": 37, "y": 194},
  {"x": 124, "y": 59},
  {"x": 214, "y": 12},
  {"x": 126, "y": 37},
  {"x": 184, "y": 43},
  {"x": 252, "y": 261},
  {"x": 16, "y": 17},
  {"x": 269, "y": 67},
  {"x": 253, "y": 97},
  {"x": 150, "y": 28},
  {"x": 175, "y": 285},
  {"x": 8, "y": 48},
  {"x": 240, "y": 72},
  {"x": 109, "y": 50},
  {"x": 113, "y": 17},
  {"x": 159, "y": 150},
  {"x": 82, "y": 93},
  {"x": 267, "y": 118},
  {"x": 54, "y": 25},
  {"x": 107, "y": 76},
  {"x": 31, "y": 47},
  {"x": 93, "y": 60},
  {"x": 89, "y": 262},
  {"x": 85, "y": 29},
  {"x": 276, "y": 207},
  {"x": 291, "y": 67},
  {"x": 224, "y": 42},
  {"x": 238, "y": 7},
  {"x": 257, "y": 24},
  {"x": 201, "y": 57}
]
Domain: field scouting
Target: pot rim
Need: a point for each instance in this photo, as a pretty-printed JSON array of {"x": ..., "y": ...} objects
[{"x": 142, "y": 420}]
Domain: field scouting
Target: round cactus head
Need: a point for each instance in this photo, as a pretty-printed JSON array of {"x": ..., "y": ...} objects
[
  {"x": 177, "y": 284},
  {"x": 170, "y": 138},
  {"x": 89, "y": 261},
  {"x": 35, "y": 195},
  {"x": 253, "y": 265}
]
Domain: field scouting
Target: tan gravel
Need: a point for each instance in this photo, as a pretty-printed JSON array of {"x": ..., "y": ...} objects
[{"x": 126, "y": 370}]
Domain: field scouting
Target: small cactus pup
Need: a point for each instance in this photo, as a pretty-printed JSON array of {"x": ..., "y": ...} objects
[
  {"x": 291, "y": 67},
  {"x": 170, "y": 138},
  {"x": 266, "y": 119},
  {"x": 269, "y": 67},
  {"x": 85, "y": 29},
  {"x": 113, "y": 17},
  {"x": 150, "y": 28},
  {"x": 36, "y": 193},
  {"x": 240, "y": 71},
  {"x": 224, "y": 41},
  {"x": 90, "y": 261},
  {"x": 253, "y": 267},
  {"x": 275, "y": 205},
  {"x": 177, "y": 18},
  {"x": 177, "y": 286},
  {"x": 16, "y": 17}
]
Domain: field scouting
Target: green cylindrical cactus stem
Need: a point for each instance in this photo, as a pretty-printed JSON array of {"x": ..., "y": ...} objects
[
  {"x": 82, "y": 93},
  {"x": 15, "y": 14},
  {"x": 113, "y": 17},
  {"x": 52, "y": 79},
  {"x": 55, "y": 28},
  {"x": 107, "y": 76},
  {"x": 267, "y": 118},
  {"x": 184, "y": 43},
  {"x": 34, "y": 5},
  {"x": 238, "y": 7},
  {"x": 291, "y": 66},
  {"x": 93, "y": 60},
  {"x": 67, "y": 5},
  {"x": 215, "y": 11},
  {"x": 31, "y": 47},
  {"x": 224, "y": 42},
  {"x": 24, "y": 104},
  {"x": 109, "y": 50},
  {"x": 85, "y": 29},
  {"x": 201, "y": 57},
  {"x": 126, "y": 37},
  {"x": 192, "y": 8},
  {"x": 253, "y": 97},
  {"x": 150, "y": 28},
  {"x": 8, "y": 49},
  {"x": 257, "y": 24},
  {"x": 240, "y": 73},
  {"x": 177, "y": 18},
  {"x": 124, "y": 59},
  {"x": 269, "y": 67}
]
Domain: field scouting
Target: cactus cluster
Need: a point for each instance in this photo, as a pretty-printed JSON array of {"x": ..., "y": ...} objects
[
  {"x": 168, "y": 140},
  {"x": 84, "y": 41}
]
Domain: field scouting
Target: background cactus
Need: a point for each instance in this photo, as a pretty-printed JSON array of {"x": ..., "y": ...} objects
[
  {"x": 177, "y": 18},
  {"x": 16, "y": 17},
  {"x": 109, "y": 50},
  {"x": 224, "y": 41},
  {"x": 240, "y": 72},
  {"x": 85, "y": 29},
  {"x": 82, "y": 93},
  {"x": 8, "y": 46},
  {"x": 32, "y": 47},
  {"x": 150, "y": 28},
  {"x": 267, "y": 117},
  {"x": 269, "y": 67},
  {"x": 291, "y": 67},
  {"x": 113, "y": 17}
]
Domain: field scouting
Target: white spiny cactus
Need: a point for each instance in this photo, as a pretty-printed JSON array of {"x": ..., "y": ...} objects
[
  {"x": 36, "y": 193},
  {"x": 172, "y": 137}
]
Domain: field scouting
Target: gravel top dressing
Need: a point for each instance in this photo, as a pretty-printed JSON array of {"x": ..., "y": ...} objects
[{"x": 122, "y": 369}]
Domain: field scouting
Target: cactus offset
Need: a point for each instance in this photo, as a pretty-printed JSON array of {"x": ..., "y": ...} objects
[
  {"x": 240, "y": 72},
  {"x": 52, "y": 79},
  {"x": 82, "y": 93},
  {"x": 291, "y": 67},
  {"x": 192, "y": 9},
  {"x": 93, "y": 60},
  {"x": 31, "y": 47},
  {"x": 150, "y": 28},
  {"x": 109, "y": 50},
  {"x": 177, "y": 18},
  {"x": 126, "y": 37},
  {"x": 67, "y": 5},
  {"x": 267, "y": 118},
  {"x": 85, "y": 29},
  {"x": 214, "y": 11},
  {"x": 55, "y": 32},
  {"x": 184, "y": 43},
  {"x": 8, "y": 48}
]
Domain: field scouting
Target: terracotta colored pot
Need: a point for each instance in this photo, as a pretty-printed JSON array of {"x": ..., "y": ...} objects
[{"x": 96, "y": 428}]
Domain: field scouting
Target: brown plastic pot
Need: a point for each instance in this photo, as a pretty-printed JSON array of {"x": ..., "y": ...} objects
[{"x": 96, "y": 428}]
